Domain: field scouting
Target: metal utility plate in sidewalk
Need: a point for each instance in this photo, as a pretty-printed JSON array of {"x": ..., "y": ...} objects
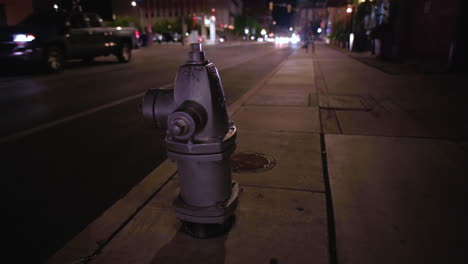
[
  {"x": 271, "y": 225},
  {"x": 398, "y": 200},
  {"x": 294, "y": 169}
]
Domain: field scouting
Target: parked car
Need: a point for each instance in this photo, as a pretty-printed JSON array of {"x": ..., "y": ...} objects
[
  {"x": 167, "y": 37},
  {"x": 221, "y": 39},
  {"x": 157, "y": 38},
  {"x": 51, "y": 38},
  {"x": 176, "y": 37}
]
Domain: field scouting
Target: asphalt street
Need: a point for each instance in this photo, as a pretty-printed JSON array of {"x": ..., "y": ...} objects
[{"x": 72, "y": 144}]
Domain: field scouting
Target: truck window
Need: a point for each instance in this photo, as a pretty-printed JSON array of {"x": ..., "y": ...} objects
[
  {"x": 94, "y": 20},
  {"x": 77, "y": 21}
]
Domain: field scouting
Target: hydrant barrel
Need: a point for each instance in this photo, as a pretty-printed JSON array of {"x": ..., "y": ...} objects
[
  {"x": 203, "y": 180},
  {"x": 199, "y": 138}
]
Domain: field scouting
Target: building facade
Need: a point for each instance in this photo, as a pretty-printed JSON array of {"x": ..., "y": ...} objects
[
  {"x": 311, "y": 15},
  {"x": 150, "y": 11},
  {"x": 426, "y": 30},
  {"x": 13, "y": 11}
]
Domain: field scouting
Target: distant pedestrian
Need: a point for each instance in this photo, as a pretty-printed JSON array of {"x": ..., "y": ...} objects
[
  {"x": 312, "y": 42},
  {"x": 306, "y": 43},
  {"x": 309, "y": 41}
]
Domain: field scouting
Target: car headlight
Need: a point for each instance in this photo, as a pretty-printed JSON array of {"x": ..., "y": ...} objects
[{"x": 23, "y": 38}]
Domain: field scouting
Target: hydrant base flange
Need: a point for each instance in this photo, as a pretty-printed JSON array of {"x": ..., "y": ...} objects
[{"x": 216, "y": 214}]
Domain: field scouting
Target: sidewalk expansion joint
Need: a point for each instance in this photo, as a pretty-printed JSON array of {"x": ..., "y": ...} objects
[
  {"x": 294, "y": 132},
  {"x": 103, "y": 244},
  {"x": 285, "y": 105},
  {"x": 453, "y": 140},
  {"x": 329, "y": 201},
  {"x": 332, "y": 250},
  {"x": 284, "y": 188},
  {"x": 345, "y": 109}
]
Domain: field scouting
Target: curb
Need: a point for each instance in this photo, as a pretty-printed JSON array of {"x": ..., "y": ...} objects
[{"x": 91, "y": 240}]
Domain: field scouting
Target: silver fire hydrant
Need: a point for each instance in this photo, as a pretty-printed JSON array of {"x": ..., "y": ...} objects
[{"x": 199, "y": 138}]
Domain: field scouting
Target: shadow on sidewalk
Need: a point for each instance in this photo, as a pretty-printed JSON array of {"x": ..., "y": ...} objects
[
  {"x": 186, "y": 249},
  {"x": 398, "y": 67}
]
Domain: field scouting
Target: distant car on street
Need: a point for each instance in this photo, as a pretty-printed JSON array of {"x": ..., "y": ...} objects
[
  {"x": 51, "y": 38},
  {"x": 221, "y": 39},
  {"x": 167, "y": 37},
  {"x": 157, "y": 38}
]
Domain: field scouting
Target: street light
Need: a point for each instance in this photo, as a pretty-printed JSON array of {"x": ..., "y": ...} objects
[
  {"x": 134, "y": 3},
  {"x": 246, "y": 31}
]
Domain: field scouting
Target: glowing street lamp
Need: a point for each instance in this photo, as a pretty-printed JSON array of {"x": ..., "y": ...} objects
[
  {"x": 134, "y": 3},
  {"x": 246, "y": 31},
  {"x": 263, "y": 32}
]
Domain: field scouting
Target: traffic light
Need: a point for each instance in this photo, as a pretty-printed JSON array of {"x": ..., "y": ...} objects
[
  {"x": 270, "y": 5},
  {"x": 289, "y": 8}
]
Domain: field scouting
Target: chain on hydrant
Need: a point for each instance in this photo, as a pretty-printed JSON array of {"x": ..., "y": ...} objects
[{"x": 199, "y": 138}]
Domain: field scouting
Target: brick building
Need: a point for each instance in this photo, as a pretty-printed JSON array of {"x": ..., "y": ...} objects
[
  {"x": 311, "y": 15},
  {"x": 427, "y": 30},
  {"x": 153, "y": 10},
  {"x": 13, "y": 11}
]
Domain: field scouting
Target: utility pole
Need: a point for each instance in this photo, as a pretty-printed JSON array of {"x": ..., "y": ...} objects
[{"x": 149, "y": 29}]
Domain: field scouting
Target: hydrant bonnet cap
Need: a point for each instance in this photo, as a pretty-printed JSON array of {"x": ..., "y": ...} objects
[{"x": 196, "y": 54}]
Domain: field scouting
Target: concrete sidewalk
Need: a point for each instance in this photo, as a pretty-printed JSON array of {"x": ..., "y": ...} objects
[
  {"x": 358, "y": 179},
  {"x": 282, "y": 217},
  {"x": 396, "y": 150}
]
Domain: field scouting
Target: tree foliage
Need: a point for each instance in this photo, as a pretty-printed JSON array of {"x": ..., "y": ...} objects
[
  {"x": 243, "y": 21},
  {"x": 125, "y": 21},
  {"x": 174, "y": 25}
]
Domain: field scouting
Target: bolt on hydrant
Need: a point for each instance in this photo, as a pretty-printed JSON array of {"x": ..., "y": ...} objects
[{"x": 201, "y": 140}]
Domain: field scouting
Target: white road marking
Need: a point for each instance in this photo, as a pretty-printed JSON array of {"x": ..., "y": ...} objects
[
  {"x": 67, "y": 119},
  {"x": 44, "y": 126}
]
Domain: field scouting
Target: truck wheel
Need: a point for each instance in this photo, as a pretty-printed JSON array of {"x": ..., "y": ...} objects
[
  {"x": 125, "y": 53},
  {"x": 54, "y": 59}
]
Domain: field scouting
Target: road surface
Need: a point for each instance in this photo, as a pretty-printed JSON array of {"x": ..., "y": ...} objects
[{"x": 72, "y": 144}]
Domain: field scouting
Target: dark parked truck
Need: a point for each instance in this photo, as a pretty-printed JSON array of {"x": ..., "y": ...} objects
[{"x": 51, "y": 38}]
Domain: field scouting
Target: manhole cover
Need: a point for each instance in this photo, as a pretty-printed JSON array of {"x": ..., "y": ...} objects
[{"x": 251, "y": 162}]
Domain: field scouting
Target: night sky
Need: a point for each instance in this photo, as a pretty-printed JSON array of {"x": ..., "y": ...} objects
[
  {"x": 259, "y": 8},
  {"x": 281, "y": 15},
  {"x": 102, "y": 7}
]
